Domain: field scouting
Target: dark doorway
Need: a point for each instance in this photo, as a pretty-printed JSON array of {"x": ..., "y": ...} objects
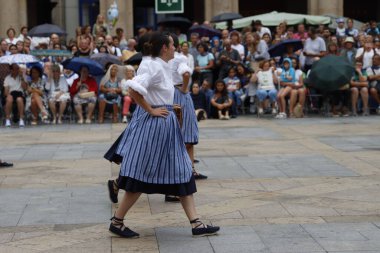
[
  {"x": 39, "y": 12},
  {"x": 254, "y": 7},
  {"x": 363, "y": 10}
]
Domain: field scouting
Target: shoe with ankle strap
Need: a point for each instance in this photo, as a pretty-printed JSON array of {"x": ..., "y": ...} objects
[{"x": 202, "y": 229}]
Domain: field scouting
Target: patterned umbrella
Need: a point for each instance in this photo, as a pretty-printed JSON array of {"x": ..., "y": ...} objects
[{"x": 18, "y": 59}]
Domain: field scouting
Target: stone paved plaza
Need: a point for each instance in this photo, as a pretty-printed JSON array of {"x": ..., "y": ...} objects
[{"x": 286, "y": 186}]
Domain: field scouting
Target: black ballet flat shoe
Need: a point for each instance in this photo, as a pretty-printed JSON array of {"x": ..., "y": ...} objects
[
  {"x": 117, "y": 227},
  {"x": 196, "y": 161},
  {"x": 112, "y": 192},
  {"x": 198, "y": 176},
  {"x": 5, "y": 164},
  {"x": 170, "y": 198},
  {"x": 203, "y": 230}
]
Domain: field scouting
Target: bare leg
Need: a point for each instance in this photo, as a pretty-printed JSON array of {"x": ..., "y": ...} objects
[
  {"x": 190, "y": 152},
  {"x": 127, "y": 202},
  {"x": 102, "y": 107},
  {"x": 364, "y": 95},
  {"x": 375, "y": 95},
  {"x": 8, "y": 106},
  {"x": 293, "y": 100},
  {"x": 53, "y": 109},
  {"x": 20, "y": 107},
  {"x": 62, "y": 107},
  {"x": 90, "y": 110},
  {"x": 78, "y": 110},
  {"x": 301, "y": 97},
  {"x": 188, "y": 205},
  {"x": 354, "y": 98},
  {"x": 115, "y": 113}
]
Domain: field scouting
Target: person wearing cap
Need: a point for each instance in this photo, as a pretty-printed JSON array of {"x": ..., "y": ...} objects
[
  {"x": 260, "y": 29},
  {"x": 341, "y": 29},
  {"x": 349, "y": 51}
]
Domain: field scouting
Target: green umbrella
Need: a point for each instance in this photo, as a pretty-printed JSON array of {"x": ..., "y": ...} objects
[{"x": 330, "y": 73}]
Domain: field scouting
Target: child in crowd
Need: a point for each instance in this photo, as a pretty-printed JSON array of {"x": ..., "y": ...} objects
[
  {"x": 221, "y": 102},
  {"x": 287, "y": 81}
]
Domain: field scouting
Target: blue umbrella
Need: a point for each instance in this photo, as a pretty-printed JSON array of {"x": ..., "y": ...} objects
[
  {"x": 204, "y": 31},
  {"x": 76, "y": 63},
  {"x": 280, "y": 48},
  {"x": 46, "y": 30}
]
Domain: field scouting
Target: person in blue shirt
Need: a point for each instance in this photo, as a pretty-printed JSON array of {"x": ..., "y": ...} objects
[
  {"x": 373, "y": 29},
  {"x": 287, "y": 82}
]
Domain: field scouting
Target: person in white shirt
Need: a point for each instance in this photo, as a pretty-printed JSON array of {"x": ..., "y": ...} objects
[
  {"x": 341, "y": 29},
  {"x": 314, "y": 47},
  {"x": 260, "y": 29},
  {"x": 11, "y": 33},
  {"x": 373, "y": 73},
  {"x": 189, "y": 57},
  {"x": 365, "y": 54},
  {"x": 235, "y": 43},
  {"x": 266, "y": 79},
  {"x": 298, "y": 92},
  {"x": 148, "y": 165},
  {"x": 14, "y": 87}
]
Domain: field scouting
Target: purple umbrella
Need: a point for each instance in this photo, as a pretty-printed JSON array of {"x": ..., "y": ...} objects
[{"x": 204, "y": 31}]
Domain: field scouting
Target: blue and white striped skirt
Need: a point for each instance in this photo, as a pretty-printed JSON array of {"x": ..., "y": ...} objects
[
  {"x": 154, "y": 152},
  {"x": 189, "y": 129},
  {"x": 114, "y": 154}
]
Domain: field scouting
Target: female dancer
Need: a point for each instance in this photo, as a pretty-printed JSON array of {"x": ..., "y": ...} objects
[{"x": 156, "y": 160}]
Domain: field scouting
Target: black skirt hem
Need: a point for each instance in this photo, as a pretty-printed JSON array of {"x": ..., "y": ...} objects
[{"x": 132, "y": 185}]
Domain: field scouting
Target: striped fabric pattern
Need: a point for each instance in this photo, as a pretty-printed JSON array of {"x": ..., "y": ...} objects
[
  {"x": 189, "y": 129},
  {"x": 155, "y": 152}
]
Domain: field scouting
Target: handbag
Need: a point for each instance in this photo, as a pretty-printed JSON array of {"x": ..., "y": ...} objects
[{"x": 87, "y": 94}]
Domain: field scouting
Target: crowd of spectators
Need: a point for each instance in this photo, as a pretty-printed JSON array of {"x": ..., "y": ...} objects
[{"x": 232, "y": 73}]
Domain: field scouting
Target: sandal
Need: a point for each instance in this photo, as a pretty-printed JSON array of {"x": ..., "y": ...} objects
[
  {"x": 199, "y": 175},
  {"x": 113, "y": 190},
  {"x": 202, "y": 229},
  {"x": 117, "y": 227}
]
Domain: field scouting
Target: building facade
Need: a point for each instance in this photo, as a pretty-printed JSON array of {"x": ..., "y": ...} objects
[{"x": 133, "y": 14}]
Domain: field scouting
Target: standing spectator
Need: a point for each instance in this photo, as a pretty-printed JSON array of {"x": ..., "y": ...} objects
[
  {"x": 326, "y": 35},
  {"x": 221, "y": 102},
  {"x": 225, "y": 34},
  {"x": 314, "y": 47},
  {"x": 209, "y": 93},
  {"x": 100, "y": 23},
  {"x": 365, "y": 54},
  {"x": 13, "y": 49},
  {"x": 260, "y": 52},
  {"x": 37, "y": 95},
  {"x": 373, "y": 73},
  {"x": 4, "y": 48},
  {"x": 23, "y": 33},
  {"x": 84, "y": 49},
  {"x": 301, "y": 33},
  {"x": 235, "y": 43},
  {"x": 350, "y": 30},
  {"x": 349, "y": 51},
  {"x": 20, "y": 47},
  {"x": 216, "y": 46},
  {"x": 127, "y": 99},
  {"x": 58, "y": 93},
  {"x": 111, "y": 49},
  {"x": 260, "y": 29},
  {"x": 359, "y": 85},
  {"x": 120, "y": 35},
  {"x": 110, "y": 93},
  {"x": 14, "y": 86},
  {"x": 373, "y": 29},
  {"x": 266, "y": 79},
  {"x": 11, "y": 33},
  {"x": 27, "y": 44},
  {"x": 185, "y": 52},
  {"x": 266, "y": 37},
  {"x": 83, "y": 91},
  {"x": 200, "y": 102},
  {"x": 228, "y": 58},
  {"x": 193, "y": 50},
  {"x": 332, "y": 49},
  {"x": 341, "y": 29},
  {"x": 204, "y": 63}
]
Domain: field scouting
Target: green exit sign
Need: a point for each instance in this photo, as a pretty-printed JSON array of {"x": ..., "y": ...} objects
[{"x": 169, "y": 6}]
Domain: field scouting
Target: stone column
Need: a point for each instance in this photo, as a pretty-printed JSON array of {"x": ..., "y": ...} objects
[
  {"x": 323, "y": 7},
  {"x": 9, "y": 16},
  {"x": 125, "y": 20},
  {"x": 215, "y": 7},
  {"x": 71, "y": 18},
  {"x": 23, "y": 13}
]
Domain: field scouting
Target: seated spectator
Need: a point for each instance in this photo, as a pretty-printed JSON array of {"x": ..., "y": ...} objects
[
  {"x": 373, "y": 73},
  {"x": 234, "y": 89},
  {"x": 199, "y": 101},
  {"x": 287, "y": 82},
  {"x": 359, "y": 85},
  {"x": 349, "y": 51},
  {"x": 221, "y": 102},
  {"x": 110, "y": 93},
  {"x": 14, "y": 87},
  {"x": 11, "y": 33},
  {"x": 332, "y": 49},
  {"x": 266, "y": 80},
  {"x": 365, "y": 54},
  {"x": 127, "y": 100},
  {"x": 13, "y": 49},
  {"x": 58, "y": 93},
  {"x": 301, "y": 33},
  {"x": 209, "y": 93},
  {"x": 70, "y": 76},
  {"x": 83, "y": 91},
  {"x": 204, "y": 63},
  {"x": 298, "y": 92},
  {"x": 37, "y": 95}
]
